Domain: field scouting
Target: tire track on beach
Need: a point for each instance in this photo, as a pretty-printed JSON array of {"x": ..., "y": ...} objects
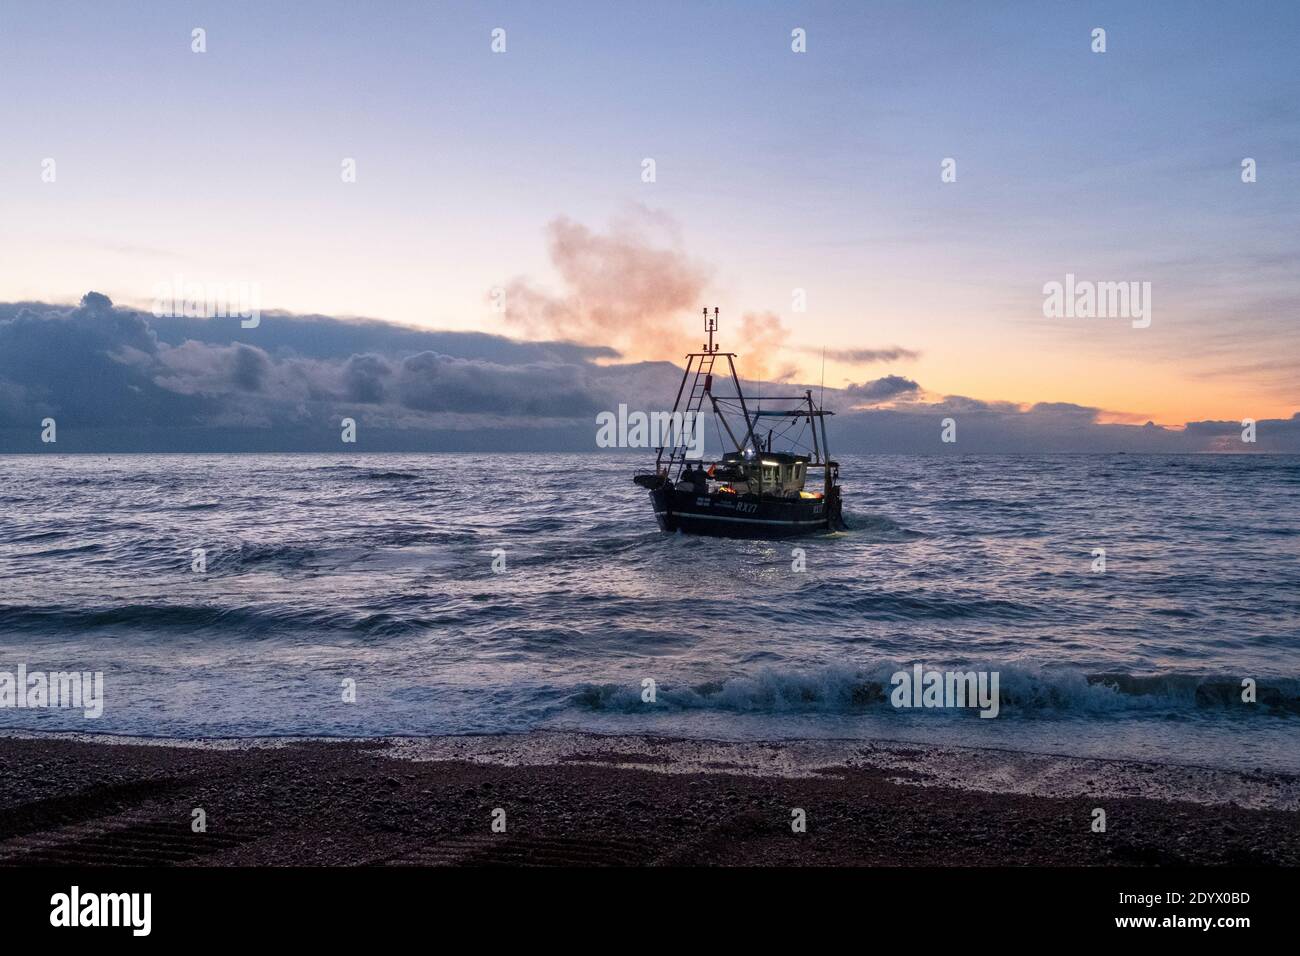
[
  {"x": 141, "y": 838},
  {"x": 97, "y": 802},
  {"x": 128, "y": 824},
  {"x": 499, "y": 850}
]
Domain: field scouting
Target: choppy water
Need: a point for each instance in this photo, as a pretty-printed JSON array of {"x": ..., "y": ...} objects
[{"x": 379, "y": 569}]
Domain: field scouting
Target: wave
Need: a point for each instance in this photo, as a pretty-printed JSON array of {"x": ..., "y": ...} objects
[
  {"x": 38, "y": 536},
  {"x": 388, "y": 476},
  {"x": 1022, "y": 691},
  {"x": 251, "y": 554},
  {"x": 367, "y": 473},
  {"x": 863, "y": 602},
  {"x": 238, "y": 621},
  {"x": 878, "y": 527},
  {"x": 91, "y": 548}
]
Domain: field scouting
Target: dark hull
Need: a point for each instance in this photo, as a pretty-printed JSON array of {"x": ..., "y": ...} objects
[{"x": 729, "y": 516}]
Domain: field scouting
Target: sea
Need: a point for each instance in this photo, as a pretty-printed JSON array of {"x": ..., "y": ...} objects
[{"x": 1132, "y": 607}]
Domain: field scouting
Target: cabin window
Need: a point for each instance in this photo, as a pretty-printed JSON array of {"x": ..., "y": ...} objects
[
  {"x": 769, "y": 476},
  {"x": 798, "y": 472}
]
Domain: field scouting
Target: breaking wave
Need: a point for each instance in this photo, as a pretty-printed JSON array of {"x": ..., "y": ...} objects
[{"x": 1021, "y": 691}]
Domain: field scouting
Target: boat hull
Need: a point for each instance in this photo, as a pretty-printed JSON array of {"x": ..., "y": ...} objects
[{"x": 732, "y": 516}]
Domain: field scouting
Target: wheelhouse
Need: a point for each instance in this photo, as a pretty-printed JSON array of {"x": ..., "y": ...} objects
[{"x": 779, "y": 474}]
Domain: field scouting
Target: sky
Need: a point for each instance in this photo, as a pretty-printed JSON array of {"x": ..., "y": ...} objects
[{"x": 504, "y": 192}]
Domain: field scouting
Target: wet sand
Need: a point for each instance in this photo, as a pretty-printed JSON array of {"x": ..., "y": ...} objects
[{"x": 574, "y": 799}]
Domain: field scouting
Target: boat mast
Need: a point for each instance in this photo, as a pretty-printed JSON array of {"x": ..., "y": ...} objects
[
  {"x": 817, "y": 455},
  {"x": 701, "y": 364}
]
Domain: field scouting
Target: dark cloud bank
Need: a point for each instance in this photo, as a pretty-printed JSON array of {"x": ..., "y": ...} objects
[{"x": 117, "y": 380}]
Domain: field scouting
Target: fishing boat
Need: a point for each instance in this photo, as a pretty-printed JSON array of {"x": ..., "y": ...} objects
[{"x": 755, "y": 489}]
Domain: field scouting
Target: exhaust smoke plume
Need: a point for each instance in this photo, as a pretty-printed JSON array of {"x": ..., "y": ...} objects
[{"x": 632, "y": 288}]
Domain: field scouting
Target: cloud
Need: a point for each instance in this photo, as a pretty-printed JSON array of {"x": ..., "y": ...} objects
[
  {"x": 882, "y": 390},
  {"x": 1065, "y": 412},
  {"x": 629, "y": 287},
  {"x": 194, "y": 368},
  {"x": 1213, "y": 428},
  {"x": 104, "y": 371},
  {"x": 983, "y": 427},
  {"x": 438, "y": 383},
  {"x": 865, "y": 356},
  {"x": 119, "y": 380},
  {"x": 327, "y": 337},
  {"x": 366, "y": 378},
  {"x": 84, "y": 363}
]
